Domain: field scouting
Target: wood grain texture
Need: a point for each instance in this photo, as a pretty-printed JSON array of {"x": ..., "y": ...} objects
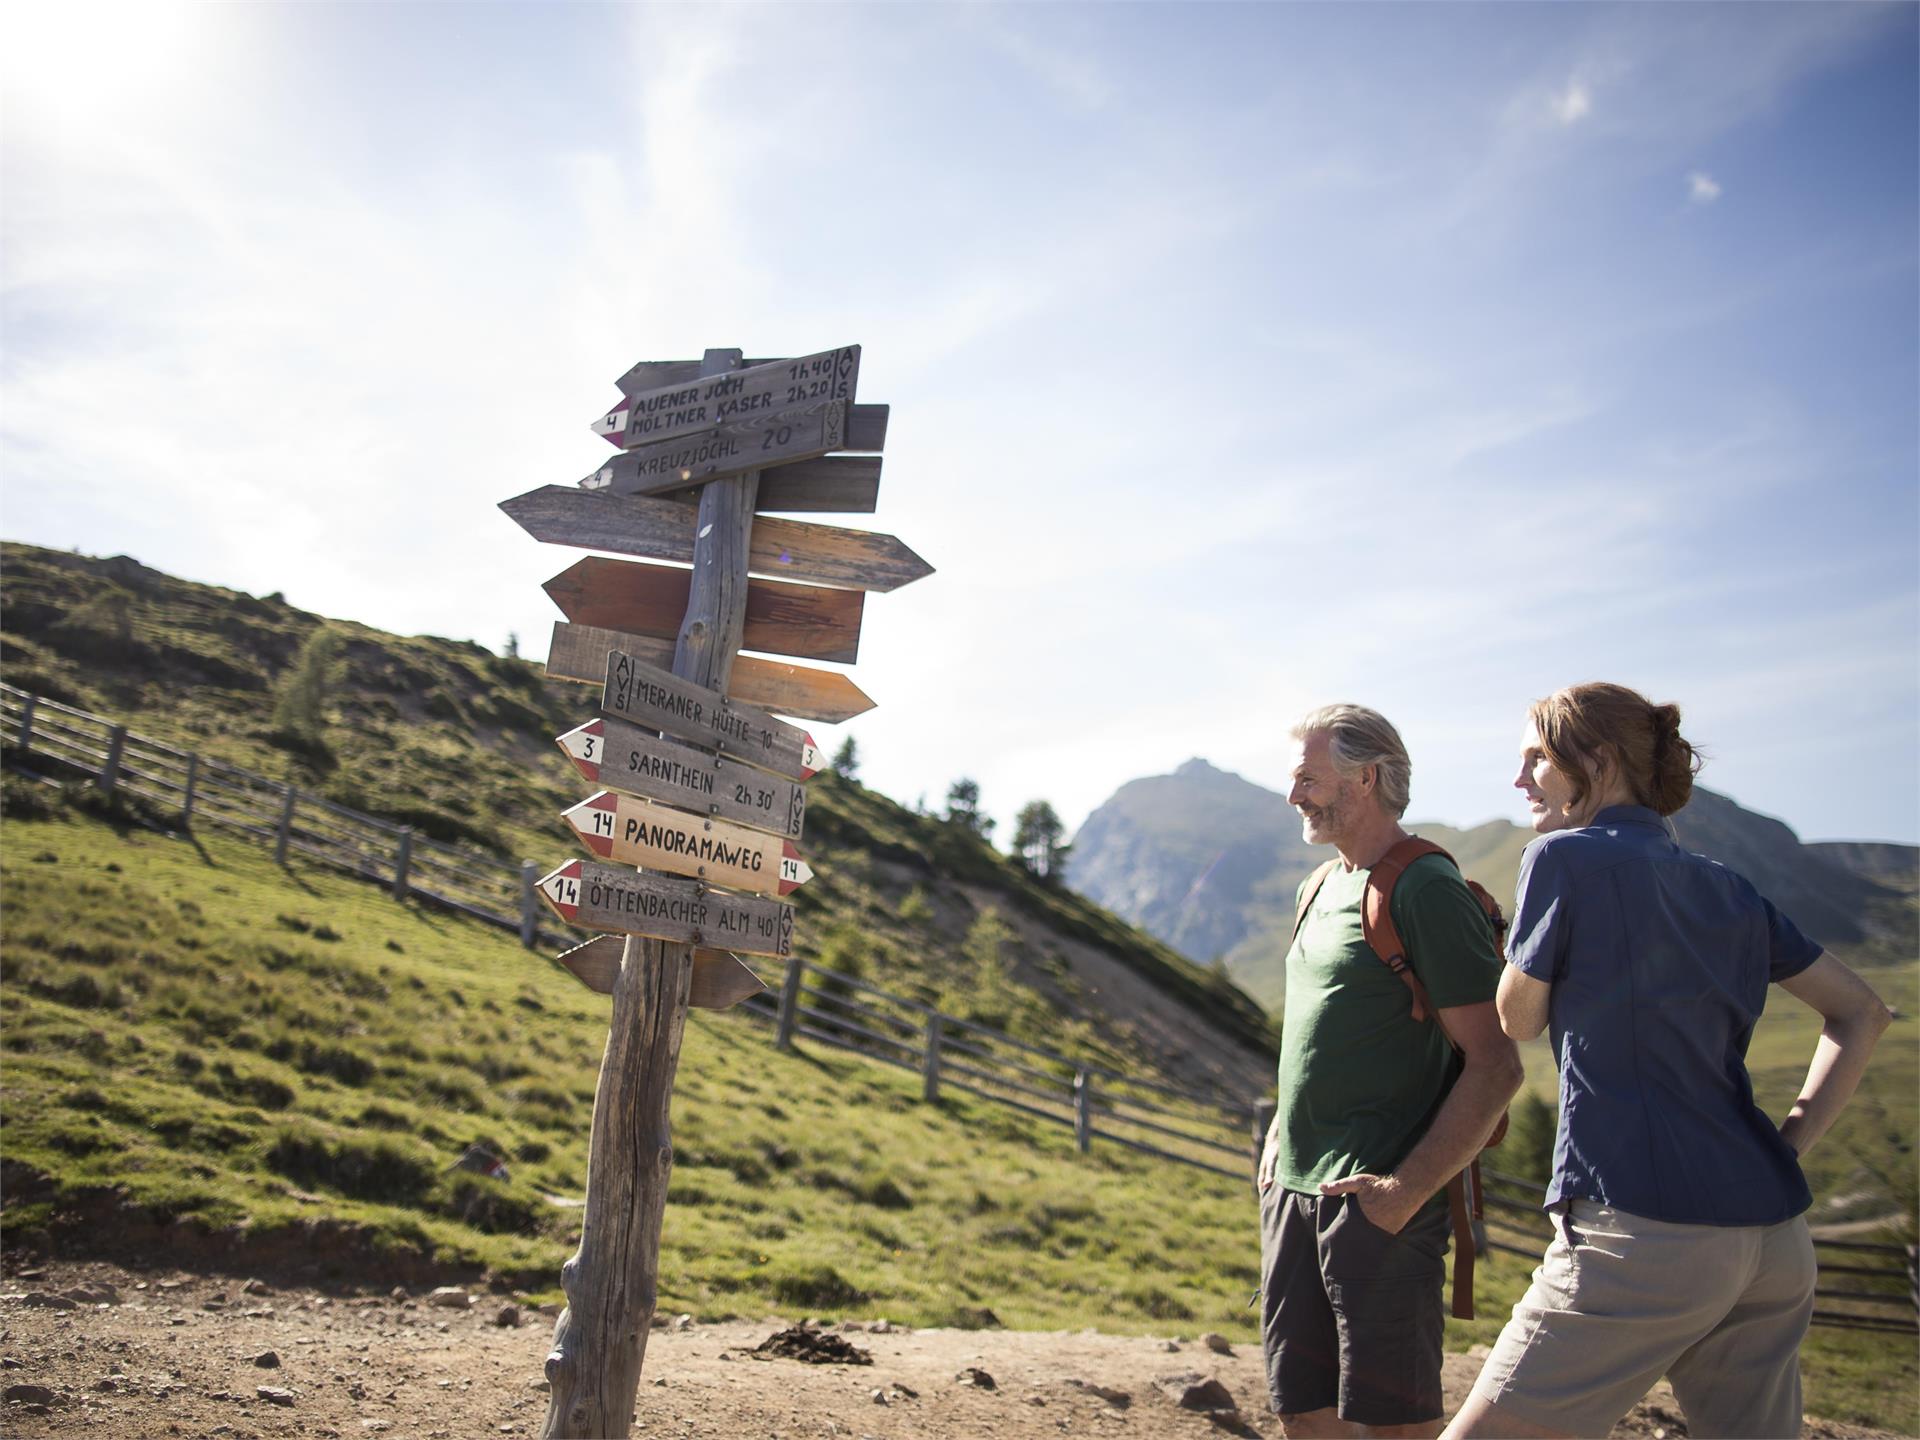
[
  {"x": 647, "y": 695},
  {"x": 685, "y": 407},
  {"x": 652, "y": 374},
  {"x": 807, "y": 621},
  {"x": 579, "y": 652},
  {"x": 846, "y": 484},
  {"x": 626, "y": 757},
  {"x": 730, "y": 449},
  {"x": 634, "y": 902},
  {"x": 720, "y": 979},
  {"x": 663, "y": 529},
  {"x": 630, "y": 831}
]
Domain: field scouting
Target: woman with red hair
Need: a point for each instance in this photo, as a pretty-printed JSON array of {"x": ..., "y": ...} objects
[{"x": 1680, "y": 1246}]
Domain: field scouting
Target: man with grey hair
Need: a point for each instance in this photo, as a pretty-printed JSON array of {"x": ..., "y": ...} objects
[{"x": 1375, "y": 1115}]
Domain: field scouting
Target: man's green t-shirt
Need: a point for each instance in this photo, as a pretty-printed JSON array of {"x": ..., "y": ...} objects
[{"x": 1360, "y": 1080}]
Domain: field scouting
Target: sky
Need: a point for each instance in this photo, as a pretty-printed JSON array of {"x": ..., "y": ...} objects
[{"x": 1242, "y": 358}]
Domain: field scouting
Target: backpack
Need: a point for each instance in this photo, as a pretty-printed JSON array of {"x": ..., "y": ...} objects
[{"x": 1464, "y": 1199}]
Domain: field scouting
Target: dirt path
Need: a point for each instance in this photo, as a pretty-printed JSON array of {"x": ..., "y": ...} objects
[{"x": 96, "y": 1350}]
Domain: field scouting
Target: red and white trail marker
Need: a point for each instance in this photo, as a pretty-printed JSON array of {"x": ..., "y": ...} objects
[{"x": 633, "y": 832}]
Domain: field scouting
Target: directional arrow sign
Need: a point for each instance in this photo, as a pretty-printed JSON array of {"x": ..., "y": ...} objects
[
  {"x": 809, "y": 621},
  {"x": 636, "y": 832},
  {"x": 579, "y": 652},
  {"x": 737, "y": 446},
  {"x": 661, "y": 700},
  {"x": 686, "y": 408},
  {"x": 719, "y": 979},
  {"x": 606, "y": 897},
  {"x": 833, "y": 482},
  {"x": 663, "y": 530},
  {"x": 612, "y": 752}
]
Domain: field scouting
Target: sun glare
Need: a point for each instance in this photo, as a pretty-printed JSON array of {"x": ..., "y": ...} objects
[{"x": 90, "y": 68}]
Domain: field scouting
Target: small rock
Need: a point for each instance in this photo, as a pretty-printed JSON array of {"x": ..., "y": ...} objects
[
  {"x": 975, "y": 1376},
  {"x": 450, "y": 1297},
  {"x": 1170, "y": 1345},
  {"x": 508, "y": 1317},
  {"x": 10, "y": 1364},
  {"x": 274, "y": 1395},
  {"x": 108, "y": 1385},
  {"x": 40, "y": 1300},
  {"x": 214, "y": 1304},
  {"x": 880, "y": 1327},
  {"x": 906, "y": 1390},
  {"x": 256, "y": 1287},
  {"x": 376, "y": 1425},
  {"x": 541, "y": 1384},
  {"x": 29, "y": 1394},
  {"x": 879, "y": 1397},
  {"x": 1216, "y": 1343},
  {"x": 1192, "y": 1391},
  {"x": 93, "y": 1295},
  {"x": 30, "y": 1275},
  {"x": 1119, "y": 1399},
  {"x": 267, "y": 1360},
  {"x": 683, "y": 1322}
]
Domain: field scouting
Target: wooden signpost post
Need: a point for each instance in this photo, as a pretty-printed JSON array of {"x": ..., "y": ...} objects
[{"x": 706, "y": 779}]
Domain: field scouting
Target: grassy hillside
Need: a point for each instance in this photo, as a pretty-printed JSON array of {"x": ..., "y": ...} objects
[
  {"x": 275, "y": 1068},
  {"x": 458, "y": 742}
]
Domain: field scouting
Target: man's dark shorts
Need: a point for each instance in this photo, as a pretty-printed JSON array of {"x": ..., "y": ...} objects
[{"x": 1351, "y": 1317}]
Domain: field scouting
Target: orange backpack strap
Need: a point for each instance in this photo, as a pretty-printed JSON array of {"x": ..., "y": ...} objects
[
  {"x": 1307, "y": 894},
  {"x": 1376, "y": 915}
]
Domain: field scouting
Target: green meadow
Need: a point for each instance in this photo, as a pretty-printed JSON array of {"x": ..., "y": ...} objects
[{"x": 286, "y": 1061}]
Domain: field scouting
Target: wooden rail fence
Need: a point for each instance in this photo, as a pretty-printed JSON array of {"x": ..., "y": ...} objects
[{"x": 1201, "y": 1128}]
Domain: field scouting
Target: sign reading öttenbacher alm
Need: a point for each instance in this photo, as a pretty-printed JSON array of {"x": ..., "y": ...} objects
[{"x": 610, "y": 897}]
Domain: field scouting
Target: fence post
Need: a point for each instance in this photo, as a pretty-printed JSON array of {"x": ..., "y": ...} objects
[
  {"x": 26, "y": 722},
  {"x": 529, "y": 903},
  {"x": 110, "y": 773},
  {"x": 930, "y": 1072},
  {"x": 402, "y": 862},
  {"x": 286, "y": 827},
  {"x": 789, "y": 1005},
  {"x": 1083, "y": 1110},
  {"x": 193, "y": 780}
]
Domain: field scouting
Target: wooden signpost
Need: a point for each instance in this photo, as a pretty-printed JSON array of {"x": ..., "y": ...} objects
[
  {"x": 612, "y": 752},
  {"x": 634, "y": 832},
  {"x": 706, "y": 780}
]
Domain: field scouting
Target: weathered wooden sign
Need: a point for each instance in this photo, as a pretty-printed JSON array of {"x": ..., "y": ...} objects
[
  {"x": 701, "y": 403},
  {"x": 663, "y": 529},
  {"x": 611, "y": 897},
  {"x": 638, "y": 832},
  {"x": 738, "y": 447},
  {"x": 612, "y": 752},
  {"x": 579, "y": 652},
  {"x": 645, "y": 471},
  {"x": 810, "y": 621},
  {"x": 661, "y": 700},
  {"x": 833, "y": 482},
  {"x": 719, "y": 979}
]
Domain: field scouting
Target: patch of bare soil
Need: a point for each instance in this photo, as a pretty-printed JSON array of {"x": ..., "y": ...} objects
[{"x": 92, "y": 1349}]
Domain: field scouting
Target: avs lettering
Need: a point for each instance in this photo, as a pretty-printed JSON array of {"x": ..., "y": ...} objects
[{"x": 739, "y": 396}]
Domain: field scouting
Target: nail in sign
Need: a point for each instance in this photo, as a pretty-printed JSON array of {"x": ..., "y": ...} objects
[
  {"x": 661, "y": 700},
  {"x": 634, "y": 832},
  {"x": 738, "y": 395},
  {"x": 606, "y": 897},
  {"x": 612, "y": 752}
]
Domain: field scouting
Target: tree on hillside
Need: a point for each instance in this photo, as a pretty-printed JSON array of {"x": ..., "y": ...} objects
[
  {"x": 1037, "y": 843},
  {"x": 513, "y": 645},
  {"x": 300, "y": 699},
  {"x": 846, "y": 760},
  {"x": 963, "y": 807}
]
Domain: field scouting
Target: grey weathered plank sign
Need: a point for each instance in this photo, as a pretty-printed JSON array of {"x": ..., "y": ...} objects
[
  {"x": 579, "y": 652},
  {"x": 687, "y": 407},
  {"x": 843, "y": 483},
  {"x": 612, "y": 752},
  {"x": 810, "y": 621},
  {"x": 663, "y": 529},
  {"x": 608, "y": 897},
  {"x": 661, "y": 700},
  {"x": 631, "y": 831},
  {"x": 719, "y": 979},
  {"x": 735, "y": 447}
]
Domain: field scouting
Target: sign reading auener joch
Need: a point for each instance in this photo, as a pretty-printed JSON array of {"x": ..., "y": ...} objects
[{"x": 704, "y": 778}]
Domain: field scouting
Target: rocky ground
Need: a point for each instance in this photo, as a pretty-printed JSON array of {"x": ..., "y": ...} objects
[{"x": 91, "y": 1349}]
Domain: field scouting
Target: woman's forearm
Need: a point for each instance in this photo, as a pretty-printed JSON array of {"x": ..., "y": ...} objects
[{"x": 1839, "y": 1060}]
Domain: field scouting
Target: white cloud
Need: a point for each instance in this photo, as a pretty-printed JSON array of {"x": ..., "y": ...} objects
[
  {"x": 1702, "y": 188},
  {"x": 1574, "y": 103}
]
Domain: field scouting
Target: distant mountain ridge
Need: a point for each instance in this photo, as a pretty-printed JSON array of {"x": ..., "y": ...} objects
[{"x": 1209, "y": 862}]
